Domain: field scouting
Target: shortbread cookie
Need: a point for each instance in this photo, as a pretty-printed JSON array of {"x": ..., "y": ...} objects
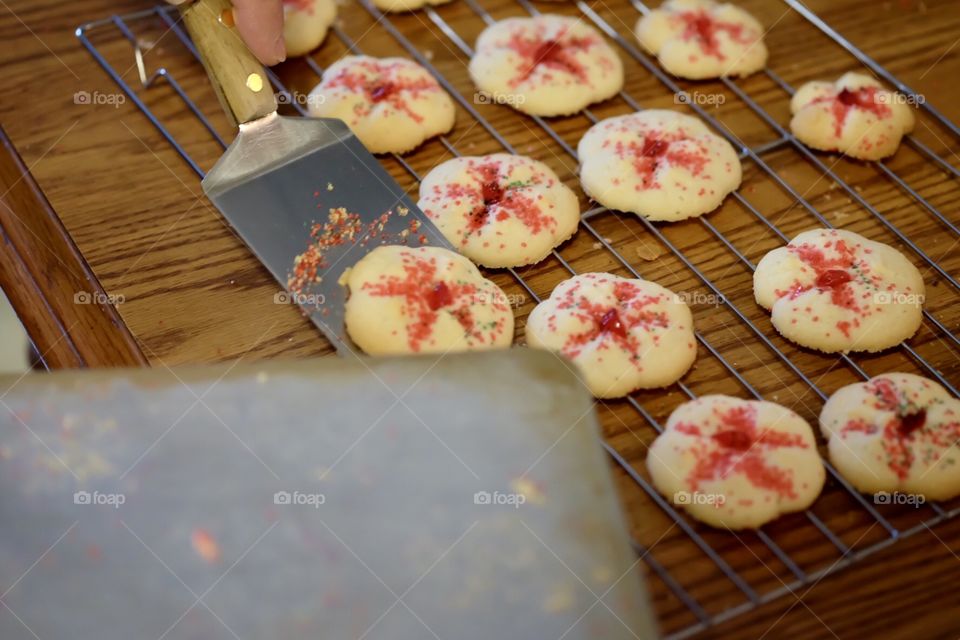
[
  {"x": 423, "y": 300},
  {"x": 545, "y": 65},
  {"x": 700, "y": 39},
  {"x": 622, "y": 334},
  {"x": 305, "y": 24},
  {"x": 736, "y": 464},
  {"x": 660, "y": 164},
  {"x": 391, "y": 104},
  {"x": 898, "y": 432},
  {"x": 500, "y": 210},
  {"x": 836, "y": 291},
  {"x": 405, "y": 5},
  {"x": 854, "y": 115}
]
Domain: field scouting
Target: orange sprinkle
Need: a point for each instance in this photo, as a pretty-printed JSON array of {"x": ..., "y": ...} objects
[{"x": 205, "y": 546}]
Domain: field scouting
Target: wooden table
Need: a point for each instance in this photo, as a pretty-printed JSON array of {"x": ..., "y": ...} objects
[{"x": 130, "y": 217}]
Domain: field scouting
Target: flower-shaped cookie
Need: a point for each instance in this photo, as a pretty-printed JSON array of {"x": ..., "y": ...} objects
[
  {"x": 500, "y": 210},
  {"x": 854, "y": 115},
  {"x": 622, "y": 334},
  {"x": 660, "y": 164},
  {"x": 897, "y": 432},
  {"x": 391, "y": 104},
  {"x": 546, "y": 65},
  {"x": 305, "y": 24},
  {"x": 735, "y": 463},
  {"x": 423, "y": 300},
  {"x": 700, "y": 39},
  {"x": 836, "y": 291}
]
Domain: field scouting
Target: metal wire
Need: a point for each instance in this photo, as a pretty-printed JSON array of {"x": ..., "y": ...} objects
[{"x": 800, "y": 577}]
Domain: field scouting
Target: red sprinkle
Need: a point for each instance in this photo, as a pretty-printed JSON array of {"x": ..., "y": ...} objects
[
  {"x": 425, "y": 294},
  {"x": 493, "y": 192},
  {"x": 382, "y": 82},
  {"x": 558, "y": 53},
  {"x": 908, "y": 434},
  {"x": 739, "y": 446},
  {"x": 701, "y": 26},
  {"x": 834, "y": 274},
  {"x": 613, "y": 324},
  {"x": 654, "y": 150},
  {"x": 846, "y": 100},
  {"x": 205, "y": 546}
]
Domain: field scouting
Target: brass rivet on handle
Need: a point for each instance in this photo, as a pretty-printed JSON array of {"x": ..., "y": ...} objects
[
  {"x": 255, "y": 82},
  {"x": 227, "y": 18}
]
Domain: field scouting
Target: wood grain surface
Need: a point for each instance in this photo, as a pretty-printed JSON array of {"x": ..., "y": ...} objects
[
  {"x": 69, "y": 317},
  {"x": 193, "y": 293}
]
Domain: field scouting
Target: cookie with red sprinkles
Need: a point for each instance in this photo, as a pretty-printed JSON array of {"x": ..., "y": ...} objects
[
  {"x": 835, "y": 291},
  {"x": 657, "y": 163},
  {"x": 897, "y": 432},
  {"x": 855, "y": 116},
  {"x": 736, "y": 464},
  {"x": 622, "y": 334},
  {"x": 305, "y": 24},
  {"x": 391, "y": 104},
  {"x": 700, "y": 39},
  {"x": 404, "y": 300},
  {"x": 500, "y": 210},
  {"x": 546, "y": 65}
]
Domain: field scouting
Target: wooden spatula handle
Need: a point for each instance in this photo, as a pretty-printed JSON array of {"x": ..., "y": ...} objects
[{"x": 237, "y": 76}]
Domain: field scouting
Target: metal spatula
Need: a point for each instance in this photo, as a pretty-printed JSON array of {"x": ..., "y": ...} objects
[
  {"x": 481, "y": 507},
  {"x": 286, "y": 184}
]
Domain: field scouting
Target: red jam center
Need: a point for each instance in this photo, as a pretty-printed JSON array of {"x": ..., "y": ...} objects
[
  {"x": 549, "y": 51},
  {"x": 610, "y": 323},
  {"x": 854, "y": 98},
  {"x": 440, "y": 296},
  {"x": 492, "y": 193},
  {"x": 734, "y": 439},
  {"x": 833, "y": 278},
  {"x": 913, "y": 421},
  {"x": 653, "y": 148},
  {"x": 703, "y": 27},
  {"x": 381, "y": 92},
  {"x": 549, "y": 54}
]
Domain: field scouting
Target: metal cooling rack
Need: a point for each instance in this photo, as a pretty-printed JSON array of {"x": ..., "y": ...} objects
[{"x": 799, "y": 577}]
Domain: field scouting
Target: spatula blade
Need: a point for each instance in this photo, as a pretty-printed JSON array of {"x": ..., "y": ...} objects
[{"x": 285, "y": 184}]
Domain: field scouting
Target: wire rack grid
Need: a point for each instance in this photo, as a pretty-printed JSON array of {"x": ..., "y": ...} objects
[{"x": 737, "y": 579}]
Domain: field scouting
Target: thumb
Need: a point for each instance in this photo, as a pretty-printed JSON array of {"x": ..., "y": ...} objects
[{"x": 260, "y": 23}]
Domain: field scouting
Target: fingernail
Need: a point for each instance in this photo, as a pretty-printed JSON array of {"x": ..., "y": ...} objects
[{"x": 280, "y": 49}]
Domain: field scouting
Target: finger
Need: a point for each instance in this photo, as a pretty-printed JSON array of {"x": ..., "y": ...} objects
[{"x": 260, "y": 23}]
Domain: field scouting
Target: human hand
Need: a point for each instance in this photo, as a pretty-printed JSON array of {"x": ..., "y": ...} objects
[{"x": 260, "y": 23}]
